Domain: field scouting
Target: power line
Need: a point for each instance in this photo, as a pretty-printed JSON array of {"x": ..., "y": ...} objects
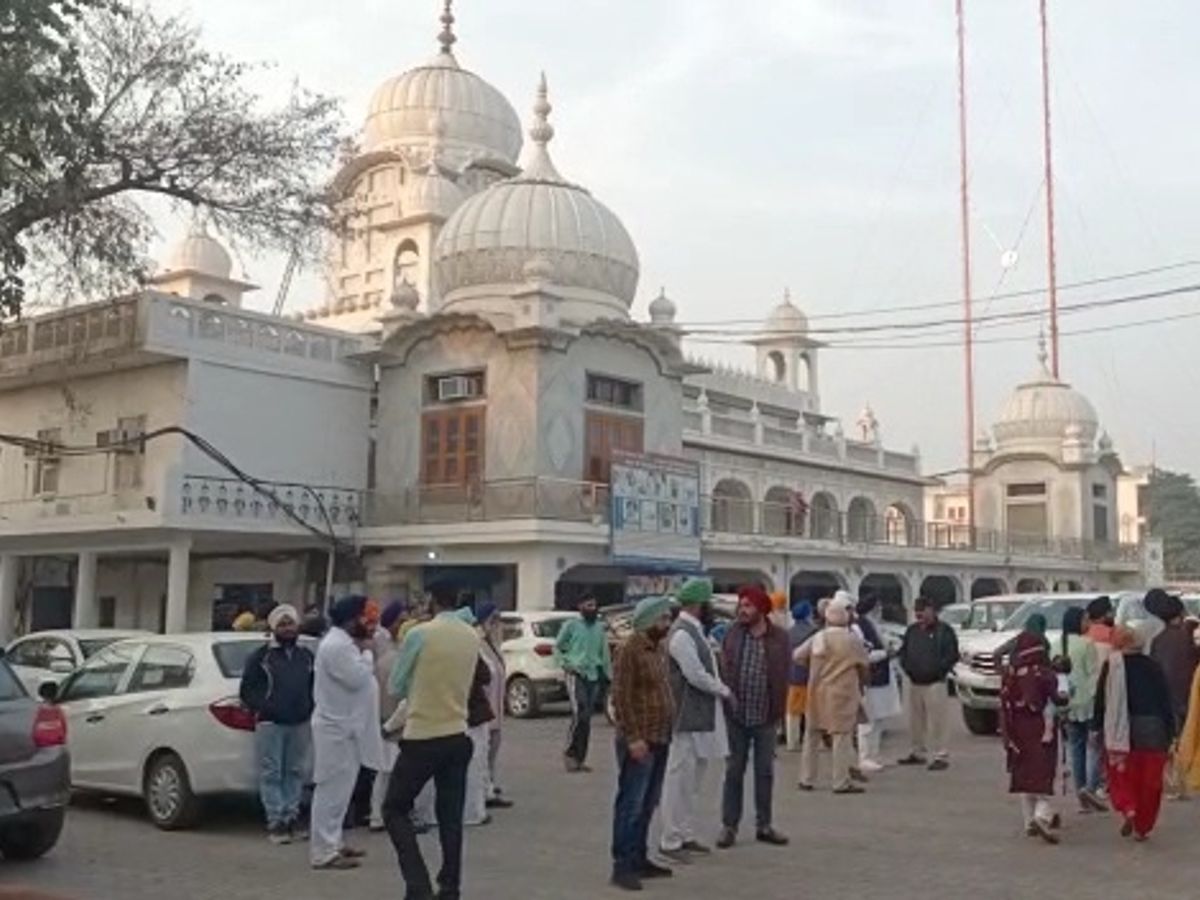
[
  {"x": 922, "y": 345},
  {"x": 1009, "y": 316},
  {"x": 942, "y": 304}
]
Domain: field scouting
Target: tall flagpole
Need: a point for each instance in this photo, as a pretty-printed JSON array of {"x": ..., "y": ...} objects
[
  {"x": 1051, "y": 258},
  {"x": 968, "y": 325}
]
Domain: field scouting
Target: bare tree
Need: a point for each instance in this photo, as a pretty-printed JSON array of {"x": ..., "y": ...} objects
[{"x": 106, "y": 103}]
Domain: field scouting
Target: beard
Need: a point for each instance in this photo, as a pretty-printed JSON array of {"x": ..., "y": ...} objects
[
  {"x": 359, "y": 630},
  {"x": 707, "y": 616},
  {"x": 590, "y": 615},
  {"x": 657, "y": 633}
]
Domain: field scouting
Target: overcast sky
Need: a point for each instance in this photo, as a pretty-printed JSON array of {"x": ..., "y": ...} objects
[{"x": 812, "y": 144}]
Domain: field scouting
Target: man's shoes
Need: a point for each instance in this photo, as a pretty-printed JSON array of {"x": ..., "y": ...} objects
[
  {"x": 849, "y": 789},
  {"x": 653, "y": 870},
  {"x": 1045, "y": 832},
  {"x": 771, "y": 836},
  {"x": 352, "y": 853},
  {"x": 279, "y": 835},
  {"x": 939, "y": 765},
  {"x": 1090, "y": 801},
  {"x": 870, "y": 766},
  {"x": 1127, "y": 828},
  {"x": 678, "y": 855},
  {"x": 486, "y": 820},
  {"x": 697, "y": 848},
  {"x": 499, "y": 803},
  {"x": 626, "y": 881},
  {"x": 337, "y": 864},
  {"x": 857, "y": 775},
  {"x": 803, "y": 787},
  {"x": 727, "y": 839},
  {"x": 298, "y": 829},
  {"x": 571, "y": 764},
  {"x": 913, "y": 759}
]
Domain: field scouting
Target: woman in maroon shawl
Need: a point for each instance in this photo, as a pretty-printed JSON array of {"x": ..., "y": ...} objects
[{"x": 1028, "y": 696}]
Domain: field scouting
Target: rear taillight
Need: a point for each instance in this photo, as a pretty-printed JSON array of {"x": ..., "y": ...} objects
[
  {"x": 232, "y": 714},
  {"x": 543, "y": 649},
  {"x": 49, "y": 727}
]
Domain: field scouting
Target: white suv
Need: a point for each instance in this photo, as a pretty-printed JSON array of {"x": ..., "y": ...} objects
[{"x": 534, "y": 677}]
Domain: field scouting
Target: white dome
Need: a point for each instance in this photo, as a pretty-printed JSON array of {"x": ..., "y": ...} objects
[
  {"x": 199, "y": 252},
  {"x": 662, "y": 309},
  {"x": 1045, "y": 410},
  {"x": 433, "y": 193},
  {"x": 479, "y": 121},
  {"x": 786, "y": 320},
  {"x": 538, "y": 225}
]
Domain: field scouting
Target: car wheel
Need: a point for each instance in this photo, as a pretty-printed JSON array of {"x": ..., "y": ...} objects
[
  {"x": 33, "y": 838},
  {"x": 981, "y": 721},
  {"x": 168, "y": 793},
  {"x": 521, "y": 698}
]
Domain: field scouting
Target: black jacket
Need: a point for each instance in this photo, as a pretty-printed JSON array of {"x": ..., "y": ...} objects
[
  {"x": 928, "y": 655},
  {"x": 881, "y": 672},
  {"x": 277, "y": 684},
  {"x": 1151, "y": 718}
]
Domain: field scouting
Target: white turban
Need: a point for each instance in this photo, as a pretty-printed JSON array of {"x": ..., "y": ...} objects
[{"x": 281, "y": 612}]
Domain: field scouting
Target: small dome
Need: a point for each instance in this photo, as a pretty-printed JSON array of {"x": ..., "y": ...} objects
[
  {"x": 786, "y": 320},
  {"x": 1045, "y": 410},
  {"x": 433, "y": 194},
  {"x": 577, "y": 241},
  {"x": 662, "y": 309},
  {"x": 200, "y": 252},
  {"x": 479, "y": 121}
]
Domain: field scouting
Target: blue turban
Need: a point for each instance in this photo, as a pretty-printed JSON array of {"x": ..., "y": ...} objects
[
  {"x": 390, "y": 614},
  {"x": 485, "y": 611},
  {"x": 347, "y": 609},
  {"x": 802, "y": 611}
]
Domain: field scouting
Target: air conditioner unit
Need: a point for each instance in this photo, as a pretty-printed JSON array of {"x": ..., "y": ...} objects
[{"x": 455, "y": 387}]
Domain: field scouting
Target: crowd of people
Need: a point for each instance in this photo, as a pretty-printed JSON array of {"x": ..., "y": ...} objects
[
  {"x": 396, "y": 718},
  {"x": 1124, "y": 685}
]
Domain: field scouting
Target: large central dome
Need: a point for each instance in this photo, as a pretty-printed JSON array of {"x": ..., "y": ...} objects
[
  {"x": 538, "y": 226},
  {"x": 1043, "y": 410},
  {"x": 479, "y": 122}
]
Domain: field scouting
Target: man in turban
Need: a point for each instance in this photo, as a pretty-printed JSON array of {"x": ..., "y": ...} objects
[
  {"x": 345, "y": 724},
  {"x": 277, "y": 686},
  {"x": 756, "y": 663},
  {"x": 643, "y": 711},
  {"x": 699, "y": 732}
]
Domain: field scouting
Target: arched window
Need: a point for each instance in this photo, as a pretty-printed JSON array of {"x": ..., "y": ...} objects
[
  {"x": 899, "y": 525},
  {"x": 405, "y": 263},
  {"x": 776, "y": 367},
  {"x": 732, "y": 507},
  {"x": 860, "y": 520},
  {"x": 823, "y": 517}
]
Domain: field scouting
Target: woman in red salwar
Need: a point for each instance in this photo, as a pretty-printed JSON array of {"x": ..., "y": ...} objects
[
  {"x": 1028, "y": 697},
  {"x": 1134, "y": 715}
]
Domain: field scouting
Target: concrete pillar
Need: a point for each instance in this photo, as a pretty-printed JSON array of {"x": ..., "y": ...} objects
[
  {"x": 87, "y": 612},
  {"x": 9, "y": 563},
  {"x": 178, "y": 577},
  {"x": 536, "y": 577}
]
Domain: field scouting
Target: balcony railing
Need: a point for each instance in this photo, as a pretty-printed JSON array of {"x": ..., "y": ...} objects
[
  {"x": 587, "y": 502},
  {"x": 230, "y": 499}
]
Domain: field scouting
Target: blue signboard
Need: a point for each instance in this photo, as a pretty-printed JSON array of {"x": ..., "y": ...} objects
[{"x": 656, "y": 512}]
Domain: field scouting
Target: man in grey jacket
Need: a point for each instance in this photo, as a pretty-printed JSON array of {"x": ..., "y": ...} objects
[{"x": 699, "y": 733}]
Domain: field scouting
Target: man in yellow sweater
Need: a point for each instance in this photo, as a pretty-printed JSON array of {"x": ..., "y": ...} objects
[{"x": 433, "y": 674}]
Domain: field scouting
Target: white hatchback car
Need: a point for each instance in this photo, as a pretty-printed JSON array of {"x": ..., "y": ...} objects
[
  {"x": 159, "y": 718},
  {"x": 53, "y": 655},
  {"x": 534, "y": 677}
]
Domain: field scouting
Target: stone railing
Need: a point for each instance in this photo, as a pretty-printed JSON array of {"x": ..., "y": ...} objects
[{"x": 72, "y": 335}]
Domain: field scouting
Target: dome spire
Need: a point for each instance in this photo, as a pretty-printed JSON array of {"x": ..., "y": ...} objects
[
  {"x": 447, "y": 38},
  {"x": 1042, "y": 355},
  {"x": 541, "y": 132}
]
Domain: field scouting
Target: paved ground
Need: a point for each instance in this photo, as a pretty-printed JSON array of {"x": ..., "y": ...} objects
[{"x": 914, "y": 835}]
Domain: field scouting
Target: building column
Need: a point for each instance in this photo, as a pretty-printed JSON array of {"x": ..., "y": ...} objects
[
  {"x": 87, "y": 613},
  {"x": 9, "y": 564},
  {"x": 178, "y": 576},
  {"x": 537, "y": 575}
]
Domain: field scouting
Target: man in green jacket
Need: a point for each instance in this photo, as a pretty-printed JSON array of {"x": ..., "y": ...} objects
[{"x": 582, "y": 652}]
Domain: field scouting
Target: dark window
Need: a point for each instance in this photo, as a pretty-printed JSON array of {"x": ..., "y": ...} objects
[
  {"x": 92, "y": 646},
  {"x": 101, "y": 675},
  {"x": 614, "y": 392},
  {"x": 1099, "y": 491},
  {"x": 452, "y": 450},
  {"x": 1100, "y": 522},
  {"x": 162, "y": 668},
  {"x": 548, "y": 628},
  {"x": 231, "y": 656},
  {"x": 604, "y": 435},
  {"x": 10, "y": 687},
  {"x": 1028, "y": 489}
]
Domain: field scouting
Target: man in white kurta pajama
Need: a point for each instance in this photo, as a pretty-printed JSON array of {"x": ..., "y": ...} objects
[
  {"x": 345, "y": 725},
  {"x": 699, "y": 734}
]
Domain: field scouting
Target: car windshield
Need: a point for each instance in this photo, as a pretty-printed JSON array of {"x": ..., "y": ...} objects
[
  {"x": 548, "y": 628},
  {"x": 956, "y": 614},
  {"x": 10, "y": 688},
  {"x": 232, "y": 655},
  {"x": 92, "y": 646},
  {"x": 1052, "y": 609}
]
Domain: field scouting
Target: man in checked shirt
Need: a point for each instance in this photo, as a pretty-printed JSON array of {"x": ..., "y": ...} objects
[{"x": 644, "y": 710}]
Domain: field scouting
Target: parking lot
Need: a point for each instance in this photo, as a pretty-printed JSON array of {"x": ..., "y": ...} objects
[{"x": 914, "y": 835}]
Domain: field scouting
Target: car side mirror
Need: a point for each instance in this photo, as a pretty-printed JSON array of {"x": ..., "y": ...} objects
[{"x": 48, "y": 691}]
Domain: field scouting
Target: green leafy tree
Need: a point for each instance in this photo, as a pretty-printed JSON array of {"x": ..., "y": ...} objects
[
  {"x": 103, "y": 103},
  {"x": 1174, "y": 516}
]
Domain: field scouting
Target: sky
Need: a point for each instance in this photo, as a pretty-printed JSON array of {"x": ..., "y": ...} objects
[{"x": 812, "y": 145}]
